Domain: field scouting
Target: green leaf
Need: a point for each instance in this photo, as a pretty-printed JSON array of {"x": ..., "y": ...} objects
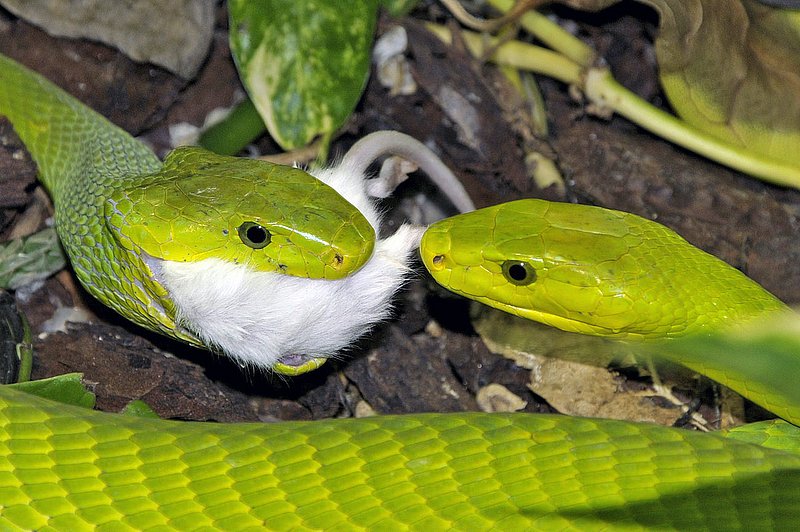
[
  {"x": 304, "y": 62},
  {"x": 139, "y": 408},
  {"x": 30, "y": 258},
  {"x": 68, "y": 389},
  {"x": 732, "y": 69},
  {"x": 398, "y": 8}
]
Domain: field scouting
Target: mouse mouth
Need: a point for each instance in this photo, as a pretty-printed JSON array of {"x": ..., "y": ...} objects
[{"x": 297, "y": 364}]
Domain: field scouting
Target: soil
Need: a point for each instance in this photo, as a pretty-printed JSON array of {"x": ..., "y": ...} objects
[{"x": 427, "y": 357}]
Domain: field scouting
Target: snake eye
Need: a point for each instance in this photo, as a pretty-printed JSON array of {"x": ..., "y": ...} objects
[
  {"x": 253, "y": 235},
  {"x": 518, "y": 272}
]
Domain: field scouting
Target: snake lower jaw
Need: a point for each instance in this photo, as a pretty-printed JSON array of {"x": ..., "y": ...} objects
[
  {"x": 290, "y": 364},
  {"x": 564, "y": 323},
  {"x": 269, "y": 320},
  {"x": 296, "y": 364}
]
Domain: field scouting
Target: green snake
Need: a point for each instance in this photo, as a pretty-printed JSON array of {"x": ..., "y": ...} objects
[
  {"x": 597, "y": 271},
  {"x": 132, "y": 225}
]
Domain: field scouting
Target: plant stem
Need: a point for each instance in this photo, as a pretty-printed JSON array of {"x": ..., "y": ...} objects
[
  {"x": 551, "y": 34},
  {"x": 517, "y": 54},
  {"x": 241, "y": 127},
  {"x": 600, "y": 88}
]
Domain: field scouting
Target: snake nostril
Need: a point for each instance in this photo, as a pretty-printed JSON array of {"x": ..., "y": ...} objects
[{"x": 438, "y": 261}]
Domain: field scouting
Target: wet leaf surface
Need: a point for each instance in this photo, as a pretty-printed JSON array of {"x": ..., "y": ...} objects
[{"x": 304, "y": 67}]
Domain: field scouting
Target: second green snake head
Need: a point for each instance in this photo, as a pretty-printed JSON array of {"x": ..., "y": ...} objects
[
  {"x": 589, "y": 270},
  {"x": 268, "y": 217},
  {"x": 263, "y": 262}
]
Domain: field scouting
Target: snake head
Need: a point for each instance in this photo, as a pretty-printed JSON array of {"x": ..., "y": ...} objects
[
  {"x": 568, "y": 266},
  {"x": 268, "y": 217}
]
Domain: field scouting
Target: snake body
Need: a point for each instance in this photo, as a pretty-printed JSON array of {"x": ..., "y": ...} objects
[
  {"x": 608, "y": 273},
  {"x": 71, "y": 468},
  {"x": 68, "y": 468}
]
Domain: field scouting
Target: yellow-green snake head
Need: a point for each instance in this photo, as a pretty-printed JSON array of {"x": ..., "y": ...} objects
[
  {"x": 274, "y": 266},
  {"x": 589, "y": 270},
  {"x": 268, "y": 217}
]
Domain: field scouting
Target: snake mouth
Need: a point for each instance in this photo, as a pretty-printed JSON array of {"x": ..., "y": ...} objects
[
  {"x": 291, "y": 364},
  {"x": 573, "y": 324},
  {"x": 297, "y": 364}
]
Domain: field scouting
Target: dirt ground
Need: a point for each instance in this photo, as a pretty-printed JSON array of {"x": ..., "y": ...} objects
[{"x": 408, "y": 364}]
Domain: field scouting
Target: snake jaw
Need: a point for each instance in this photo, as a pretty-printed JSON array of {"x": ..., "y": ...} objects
[
  {"x": 290, "y": 364},
  {"x": 294, "y": 365},
  {"x": 564, "y": 323},
  {"x": 265, "y": 319}
]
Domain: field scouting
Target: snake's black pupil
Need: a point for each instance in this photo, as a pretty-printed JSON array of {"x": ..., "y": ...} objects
[
  {"x": 517, "y": 272},
  {"x": 256, "y": 234}
]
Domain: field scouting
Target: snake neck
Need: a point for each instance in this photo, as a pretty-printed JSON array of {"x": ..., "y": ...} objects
[
  {"x": 82, "y": 160},
  {"x": 116, "y": 276}
]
